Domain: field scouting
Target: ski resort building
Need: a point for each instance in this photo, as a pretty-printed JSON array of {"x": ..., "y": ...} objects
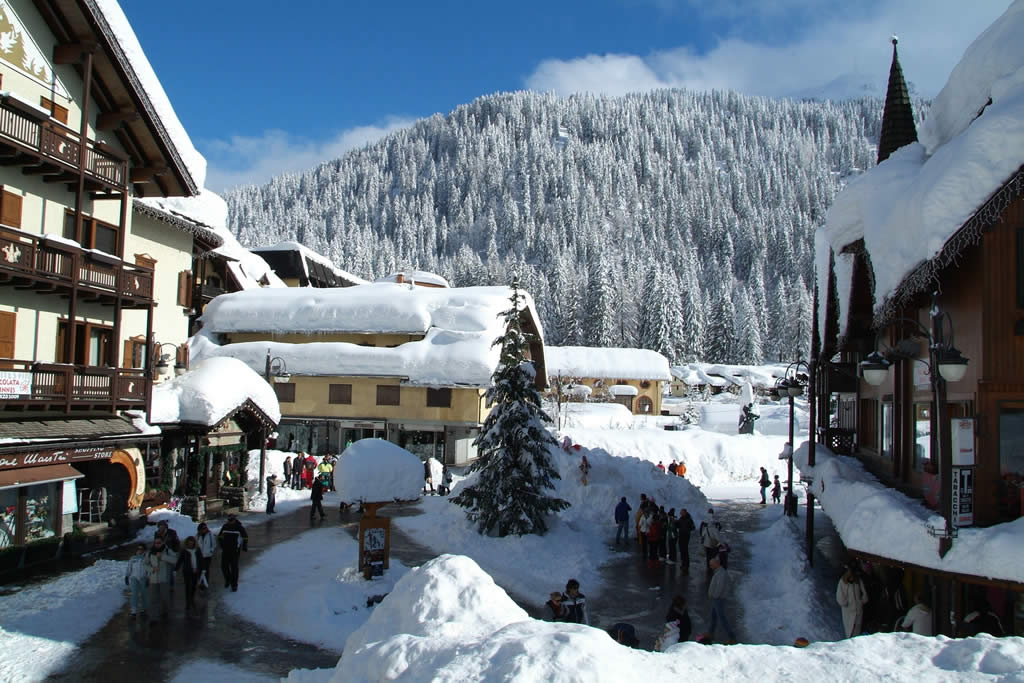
[
  {"x": 299, "y": 266},
  {"x": 85, "y": 128},
  {"x": 632, "y": 377},
  {"x": 920, "y": 327},
  {"x": 385, "y": 360}
]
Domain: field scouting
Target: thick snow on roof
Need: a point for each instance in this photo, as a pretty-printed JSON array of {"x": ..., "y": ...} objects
[
  {"x": 459, "y": 327},
  {"x": 720, "y": 375},
  {"x": 125, "y": 36},
  {"x": 415, "y": 276},
  {"x": 210, "y": 391},
  {"x": 311, "y": 255},
  {"x": 873, "y": 518},
  {"x": 907, "y": 207},
  {"x": 377, "y": 471},
  {"x": 590, "y": 361}
]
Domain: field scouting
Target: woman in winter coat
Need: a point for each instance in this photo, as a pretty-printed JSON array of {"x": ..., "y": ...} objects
[
  {"x": 207, "y": 544},
  {"x": 919, "y": 619},
  {"x": 135, "y": 577},
  {"x": 851, "y": 596},
  {"x": 160, "y": 563},
  {"x": 190, "y": 561}
]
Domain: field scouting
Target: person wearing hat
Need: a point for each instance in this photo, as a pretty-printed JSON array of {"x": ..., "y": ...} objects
[
  {"x": 271, "y": 493},
  {"x": 233, "y": 539}
]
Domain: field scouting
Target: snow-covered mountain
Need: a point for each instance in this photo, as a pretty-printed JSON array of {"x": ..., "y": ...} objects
[{"x": 672, "y": 220}]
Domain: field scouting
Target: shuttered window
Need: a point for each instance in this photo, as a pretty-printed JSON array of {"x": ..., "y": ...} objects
[
  {"x": 134, "y": 353},
  {"x": 340, "y": 393},
  {"x": 56, "y": 111},
  {"x": 285, "y": 392},
  {"x": 388, "y": 395},
  {"x": 439, "y": 398},
  {"x": 10, "y": 209},
  {"x": 185, "y": 288},
  {"x": 7, "y": 320}
]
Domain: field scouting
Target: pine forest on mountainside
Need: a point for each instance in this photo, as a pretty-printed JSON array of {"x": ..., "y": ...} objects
[{"x": 677, "y": 221}]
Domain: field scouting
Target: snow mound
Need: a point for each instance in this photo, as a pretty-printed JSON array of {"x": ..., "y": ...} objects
[
  {"x": 375, "y": 470},
  {"x": 588, "y": 361},
  {"x": 210, "y": 391},
  {"x": 592, "y": 415}
]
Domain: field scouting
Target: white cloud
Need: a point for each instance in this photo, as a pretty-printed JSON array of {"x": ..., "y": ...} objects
[
  {"x": 838, "y": 53},
  {"x": 242, "y": 160}
]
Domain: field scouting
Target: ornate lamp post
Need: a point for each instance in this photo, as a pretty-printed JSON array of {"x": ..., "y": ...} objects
[
  {"x": 163, "y": 365},
  {"x": 945, "y": 364},
  {"x": 276, "y": 371},
  {"x": 790, "y": 386}
]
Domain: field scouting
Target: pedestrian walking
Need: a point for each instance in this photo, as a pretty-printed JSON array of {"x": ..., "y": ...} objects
[
  {"x": 190, "y": 561},
  {"x": 671, "y": 535},
  {"x": 709, "y": 540},
  {"x": 297, "y": 465},
  {"x": 654, "y": 538},
  {"x": 271, "y": 493},
  {"x": 719, "y": 591},
  {"x": 661, "y": 466},
  {"x": 160, "y": 563},
  {"x": 333, "y": 461},
  {"x": 851, "y": 596},
  {"x": 643, "y": 527},
  {"x": 575, "y": 603},
  {"x": 446, "y": 481},
  {"x": 673, "y": 467},
  {"x": 764, "y": 482},
  {"x": 207, "y": 544},
  {"x": 622, "y": 511},
  {"x": 287, "y": 471},
  {"x": 136, "y": 577},
  {"x": 685, "y": 527},
  {"x": 317, "y": 496},
  {"x": 168, "y": 535},
  {"x": 776, "y": 491},
  {"x": 233, "y": 540},
  {"x": 324, "y": 471},
  {"x": 428, "y": 479}
]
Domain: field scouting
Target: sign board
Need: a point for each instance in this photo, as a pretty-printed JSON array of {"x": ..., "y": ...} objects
[
  {"x": 15, "y": 384},
  {"x": 922, "y": 378},
  {"x": 963, "y": 496},
  {"x": 54, "y": 457},
  {"x": 962, "y": 436}
]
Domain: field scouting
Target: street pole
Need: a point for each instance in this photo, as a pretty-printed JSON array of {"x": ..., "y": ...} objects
[
  {"x": 790, "y": 498},
  {"x": 263, "y": 430},
  {"x": 942, "y": 441},
  {"x": 811, "y": 433}
]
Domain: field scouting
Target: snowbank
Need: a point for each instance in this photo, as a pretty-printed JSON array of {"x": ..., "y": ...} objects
[
  {"x": 591, "y": 415},
  {"x": 210, "y": 391},
  {"x": 875, "y": 519},
  {"x": 447, "y": 621},
  {"x": 375, "y": 470},
  {"x": 588, "y": 361}
]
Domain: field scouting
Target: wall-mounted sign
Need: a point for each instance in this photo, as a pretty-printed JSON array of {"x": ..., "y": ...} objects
[
  {"x": 15, "y": 384},
  {"x": 963, "y": 496},
  {"x": 922, "y": 378},
  {"x": 54, "y": 457},
  {"x": 962, "y": 437}
]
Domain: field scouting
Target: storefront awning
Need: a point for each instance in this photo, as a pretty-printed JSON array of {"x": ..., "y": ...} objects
[{"x": 37, "y": 475}]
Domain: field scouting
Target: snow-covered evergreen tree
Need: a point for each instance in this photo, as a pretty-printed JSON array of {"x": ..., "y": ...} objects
[{"x": 514, "y": 469}]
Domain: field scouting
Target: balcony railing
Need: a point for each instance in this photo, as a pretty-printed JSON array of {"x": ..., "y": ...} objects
[
  {"x": 29, "y": 382},
  {"x": 22, "y": 124},
  {"x": 54, "y": 261}
]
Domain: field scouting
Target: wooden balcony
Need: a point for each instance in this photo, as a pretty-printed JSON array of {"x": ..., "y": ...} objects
[
  {"x": 58, "y": 387},
  {"x": 48, "y": 264},
  {"x": 41, "y": 146}
]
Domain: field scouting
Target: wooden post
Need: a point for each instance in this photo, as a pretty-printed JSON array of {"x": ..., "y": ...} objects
[{"x": 374, "y": 539}]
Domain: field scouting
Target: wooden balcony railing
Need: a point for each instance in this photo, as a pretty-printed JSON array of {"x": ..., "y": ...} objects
[
  {"x": 53, "y": 261},
  {"x": 41, "y": 136},
  {"x": 29, "y": 382}
]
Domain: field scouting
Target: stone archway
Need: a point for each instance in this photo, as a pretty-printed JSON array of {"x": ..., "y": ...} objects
[{"x": 131, "y": 460}]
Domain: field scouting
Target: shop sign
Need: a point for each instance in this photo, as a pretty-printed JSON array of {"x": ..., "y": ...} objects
[
  {"x": 54, "y": 457},
  {"x": 15, "y": 384},
  {"x": 963, "y": 496},
  {"x": 922, "y": 378},
  {"x": 962, "y": 434}
]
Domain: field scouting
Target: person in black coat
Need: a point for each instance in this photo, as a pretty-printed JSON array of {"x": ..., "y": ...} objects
[
  {"x": 233, "y": 540},
  {"x": 685, "y": 526},
  {"x": 271, "y": 493},
  {"x": 287, "y": 471},
  {"x": 317, "y": 496},
  {"x": 678, "y": 612},
  {"x": 190, "y": 561}
]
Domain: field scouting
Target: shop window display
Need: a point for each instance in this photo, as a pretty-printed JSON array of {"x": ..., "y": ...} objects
[
  {"x": 40, "y": 514},
  {"x": 8, "y": 517}
]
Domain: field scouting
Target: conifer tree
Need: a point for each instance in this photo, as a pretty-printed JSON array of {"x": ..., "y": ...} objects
[{"x": 514, "y": 470}]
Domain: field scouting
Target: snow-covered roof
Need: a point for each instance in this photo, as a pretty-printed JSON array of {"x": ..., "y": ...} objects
[
  {"x": 154, "y": 209},
  {"x": 721, "y": 375},
  {"x": 310, "y": 255},
  {"x": 109, "y": 12},
  {"x": 210, "y": 391},
  {"x": 623, "y": 390},
  {"x": 458, "y": 326},
  {"x": 590, "y": 361},
  {"x": 415, "y": 276},
  {"x": 909, "y": 207},
  {"x": 375, "y": 470},
  {"x": 209, "y": 210}
]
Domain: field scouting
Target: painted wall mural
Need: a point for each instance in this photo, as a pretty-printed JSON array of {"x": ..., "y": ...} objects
[{"x": 18, "y": 49}]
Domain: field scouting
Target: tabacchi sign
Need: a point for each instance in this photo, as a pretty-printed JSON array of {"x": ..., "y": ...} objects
[{"x": 54, "y": 457}]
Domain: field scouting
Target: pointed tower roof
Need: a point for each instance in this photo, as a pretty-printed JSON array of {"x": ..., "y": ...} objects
[{"x": 898, "y": 116}]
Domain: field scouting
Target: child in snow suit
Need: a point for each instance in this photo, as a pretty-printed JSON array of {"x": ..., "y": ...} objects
[
  {"x": 135, "y": 577},
  {"x": 777, "y": 490}
]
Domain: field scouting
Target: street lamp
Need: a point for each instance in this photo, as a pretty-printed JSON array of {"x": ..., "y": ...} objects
[
  {"x": 276, "y": 371},
  {"x": 163, "y": 365},
  {"x": 945, "y": 364},
  {"x": 791, "y": 385}
]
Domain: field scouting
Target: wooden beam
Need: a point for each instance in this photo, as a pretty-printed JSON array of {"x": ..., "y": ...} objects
[
  {"x": 146, "y": 174},
  {"x": 71, "y": 53},
  {"x": 112, "y": 119}
]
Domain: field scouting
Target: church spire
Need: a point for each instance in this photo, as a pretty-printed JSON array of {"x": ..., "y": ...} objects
[{"x": 898, "y": 116}]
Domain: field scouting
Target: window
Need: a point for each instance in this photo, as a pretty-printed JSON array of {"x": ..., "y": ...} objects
[
  {"x": 94, "y": 344},
  {"x": 922, "y": 436},
  {"x": 439, "y": 398},
  {"x": 94, "y": 235},
  {"x": 1011, "y": 461},
  {"x": 644, "y": 405},
  {"x": 885, "y": 449},
  {"x": 285, "y": 392},
  {"x": 56, "y": 111},
  {"x": 624, "y": 400},
  {"x": 134, "y": 353},
  {"x": 388, "y": 395},
  {"x": 340, "y": 393},
  {"x": 867, "y": 436},
  {"x": 10, "y": 209},
  {"x": 146, "y": 261}
]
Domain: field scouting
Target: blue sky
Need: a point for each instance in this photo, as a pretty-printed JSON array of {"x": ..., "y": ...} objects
[{"x": 269, "y": 87}]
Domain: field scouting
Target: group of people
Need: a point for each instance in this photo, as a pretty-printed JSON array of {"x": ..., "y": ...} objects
[
  {"x": 675, "y": 467},
  {"x": 663, "y": 537},
  {"x": 301, "y": 471},
  {"x": 151, "y": 571},
  {"x": 764, "y": 482},
  {"x": 570, "y": 606}
]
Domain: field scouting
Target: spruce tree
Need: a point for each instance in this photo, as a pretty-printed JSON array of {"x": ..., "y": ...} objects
[{"x": 514, "y": 465}]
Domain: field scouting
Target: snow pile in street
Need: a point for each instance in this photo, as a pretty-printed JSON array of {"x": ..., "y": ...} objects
[
  {"x": 287, "y": 499},
  {"x": 41, "y": 626},
  {"x": 873, "y": 518},
  {"x": 375, "y": 470},
  {"x": 308, "y": 588},
  {"x": 579, "y": 538},
  {"x": 786, "y": 607},
  {"x": 591, "y": 415},
  {"x": 447, "y": 621},
  {"x": 600, "y": 362},
  {"x": 210, "y": 391},
  {"x": 205, "y": 670},
  {"x": 710, "y": 458}
]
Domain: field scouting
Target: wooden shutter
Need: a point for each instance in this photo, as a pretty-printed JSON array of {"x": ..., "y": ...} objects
[
  {"x": 7, "y": 321},
  {"x": 388, "y": 395},
  {"x": 285, "y": 392},
  {"x": 439, "y": 398},
  {"x": 340, "y": 393},
  {"x": 56, "y": 111},
  {"x": 10, "y": 209},
  {"x": 185, "y": 288}
]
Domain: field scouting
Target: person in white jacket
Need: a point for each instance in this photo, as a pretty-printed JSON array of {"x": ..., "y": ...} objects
[
  {"x": 207, "y": 544},
  {"x": 160, "y": 563},
  {"x": 851, "y": 596},
  {"x": 919, "y": 618},
  {"x": 136, "y": 578}
]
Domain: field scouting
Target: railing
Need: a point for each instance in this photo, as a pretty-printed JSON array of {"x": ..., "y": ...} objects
[
  {"x": 32, "y": 382},
  {"x": 51, "y": 140},
  {"x": 67, "y": 264}
]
